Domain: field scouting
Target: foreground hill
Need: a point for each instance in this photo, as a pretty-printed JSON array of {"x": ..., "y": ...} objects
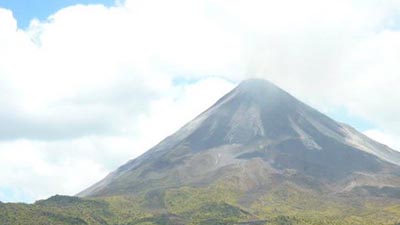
[
  {"x": 257, "y": 156},
  {"x": 216, "y": 206}
]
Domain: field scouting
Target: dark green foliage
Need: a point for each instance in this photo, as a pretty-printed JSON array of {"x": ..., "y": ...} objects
[
  {"x": 163, "y": 219},
  {"x": 58, "y": 218}
]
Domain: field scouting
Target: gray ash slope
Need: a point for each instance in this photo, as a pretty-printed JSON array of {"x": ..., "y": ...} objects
[{"x": 259, "y": 136}]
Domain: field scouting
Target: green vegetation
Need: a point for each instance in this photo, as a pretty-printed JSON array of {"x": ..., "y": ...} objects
[{"x": 209, "y": 205}]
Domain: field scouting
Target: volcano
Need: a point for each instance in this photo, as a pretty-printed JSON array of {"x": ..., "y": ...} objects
[{"x": 255, "y": 139}]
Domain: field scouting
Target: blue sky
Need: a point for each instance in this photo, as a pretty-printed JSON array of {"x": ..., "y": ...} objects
[{"x": 26, "y": 10}]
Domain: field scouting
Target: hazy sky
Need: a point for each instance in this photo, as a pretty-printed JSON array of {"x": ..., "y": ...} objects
[{"x": 84, "y": 88}]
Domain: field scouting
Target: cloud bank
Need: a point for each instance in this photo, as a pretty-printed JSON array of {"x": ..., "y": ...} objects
[{"x": 93, "y": 86}]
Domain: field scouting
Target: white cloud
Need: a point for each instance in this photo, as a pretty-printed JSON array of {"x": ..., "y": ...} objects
[
  {"x": 26, "y": 168},
  {"x": 85, "y": 89}
]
